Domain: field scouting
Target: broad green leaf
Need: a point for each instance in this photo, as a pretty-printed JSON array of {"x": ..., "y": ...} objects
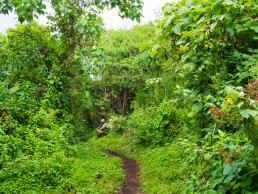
[
  {"x": 222, "y": 190},
  {"x": 228, "y": 169},
  {"x": 190, "y": 114},
  {"x": 229, "y": 178},
  {"x": 14, "y": 89},
  {"x": 215, "y": 182},
  {"x": 152, "y": 53},
  {"x": 177, "y": 29},
  {"x": 196, "y": 107},
  {"x": 229, "y": 2},
  {"x": 240, "y": 104},
  {"x": 208, "y": 156},
  {"x": 255, "y": 28},
  {"x": 248, "y": 112}
]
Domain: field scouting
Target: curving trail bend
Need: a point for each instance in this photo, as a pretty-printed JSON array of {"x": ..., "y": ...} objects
[{"x": 131, "y": 170}]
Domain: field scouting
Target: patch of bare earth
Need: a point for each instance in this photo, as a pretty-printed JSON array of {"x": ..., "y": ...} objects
[{"x": 131, "y": 170}]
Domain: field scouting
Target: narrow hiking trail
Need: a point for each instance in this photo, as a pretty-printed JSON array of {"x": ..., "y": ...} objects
[{"x": 131, "y": 170}]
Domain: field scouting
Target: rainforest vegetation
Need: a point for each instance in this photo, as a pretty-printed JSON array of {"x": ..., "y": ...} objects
[{"x": 180, "y": 96}]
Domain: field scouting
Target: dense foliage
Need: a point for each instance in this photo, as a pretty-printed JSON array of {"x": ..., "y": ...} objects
[
  {"x": 44, "y": 102},
  {"x": 116, "y": 76},
  {"x": 180, "y": 95},
  {"x": 36, "y": 126},
  {"x": 200, "y": 77},
  {"x": 216, "y": 46}
]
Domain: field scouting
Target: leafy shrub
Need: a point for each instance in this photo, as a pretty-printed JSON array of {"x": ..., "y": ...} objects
[
  {"x": 117, "y": 124},
  {"x": 33, "y": 173},
  {"x": 82, "y": 168},
  {"x": 235, "y": 110},
  {"x": 222, "y": 162},
  {"x": 156, "y": 125},
  {"x": 33, "y": 138}
]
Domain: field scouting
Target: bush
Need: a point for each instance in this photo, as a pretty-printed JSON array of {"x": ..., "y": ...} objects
[
  {"x": 160, "y": 124},
  {"x": 117, "y": 124},
  {"x": 155, "y": 125},
  {"x": 222, "y": 162}
]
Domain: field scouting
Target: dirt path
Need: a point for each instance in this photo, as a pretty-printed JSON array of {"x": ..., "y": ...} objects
[{"x": 131, "y": 170}]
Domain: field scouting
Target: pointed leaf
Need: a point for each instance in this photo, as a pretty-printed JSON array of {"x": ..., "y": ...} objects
[
  {"x": 177, "y": 29},
  {"x": 248, "y": 112}
]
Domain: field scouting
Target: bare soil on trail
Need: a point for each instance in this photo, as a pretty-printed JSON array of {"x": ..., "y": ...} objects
[{"x": 131, "y": 170}]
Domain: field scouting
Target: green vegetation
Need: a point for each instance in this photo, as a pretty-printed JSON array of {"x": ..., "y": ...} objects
[
  {"x": 44, "y": 101},
  {"x": 84, "y": 169},
  {"x": 93, "y": 171},
  {"x": 163, "y": 169},
  {"x": 198, "y": 78},
  {"x": 180, "y": 96}
]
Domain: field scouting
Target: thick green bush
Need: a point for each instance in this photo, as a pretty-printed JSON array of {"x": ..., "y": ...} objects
[
  {"x": 156, "y": 125},
  {"x": 222, "y": 162}
]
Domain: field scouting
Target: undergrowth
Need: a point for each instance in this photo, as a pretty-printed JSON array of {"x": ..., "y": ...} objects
[
  {"x": 217, "y": 163},
  {"x": 86, "y": 170},
  {"x": 162, "y": 169},
  {"x": 95, "y": 172}
]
